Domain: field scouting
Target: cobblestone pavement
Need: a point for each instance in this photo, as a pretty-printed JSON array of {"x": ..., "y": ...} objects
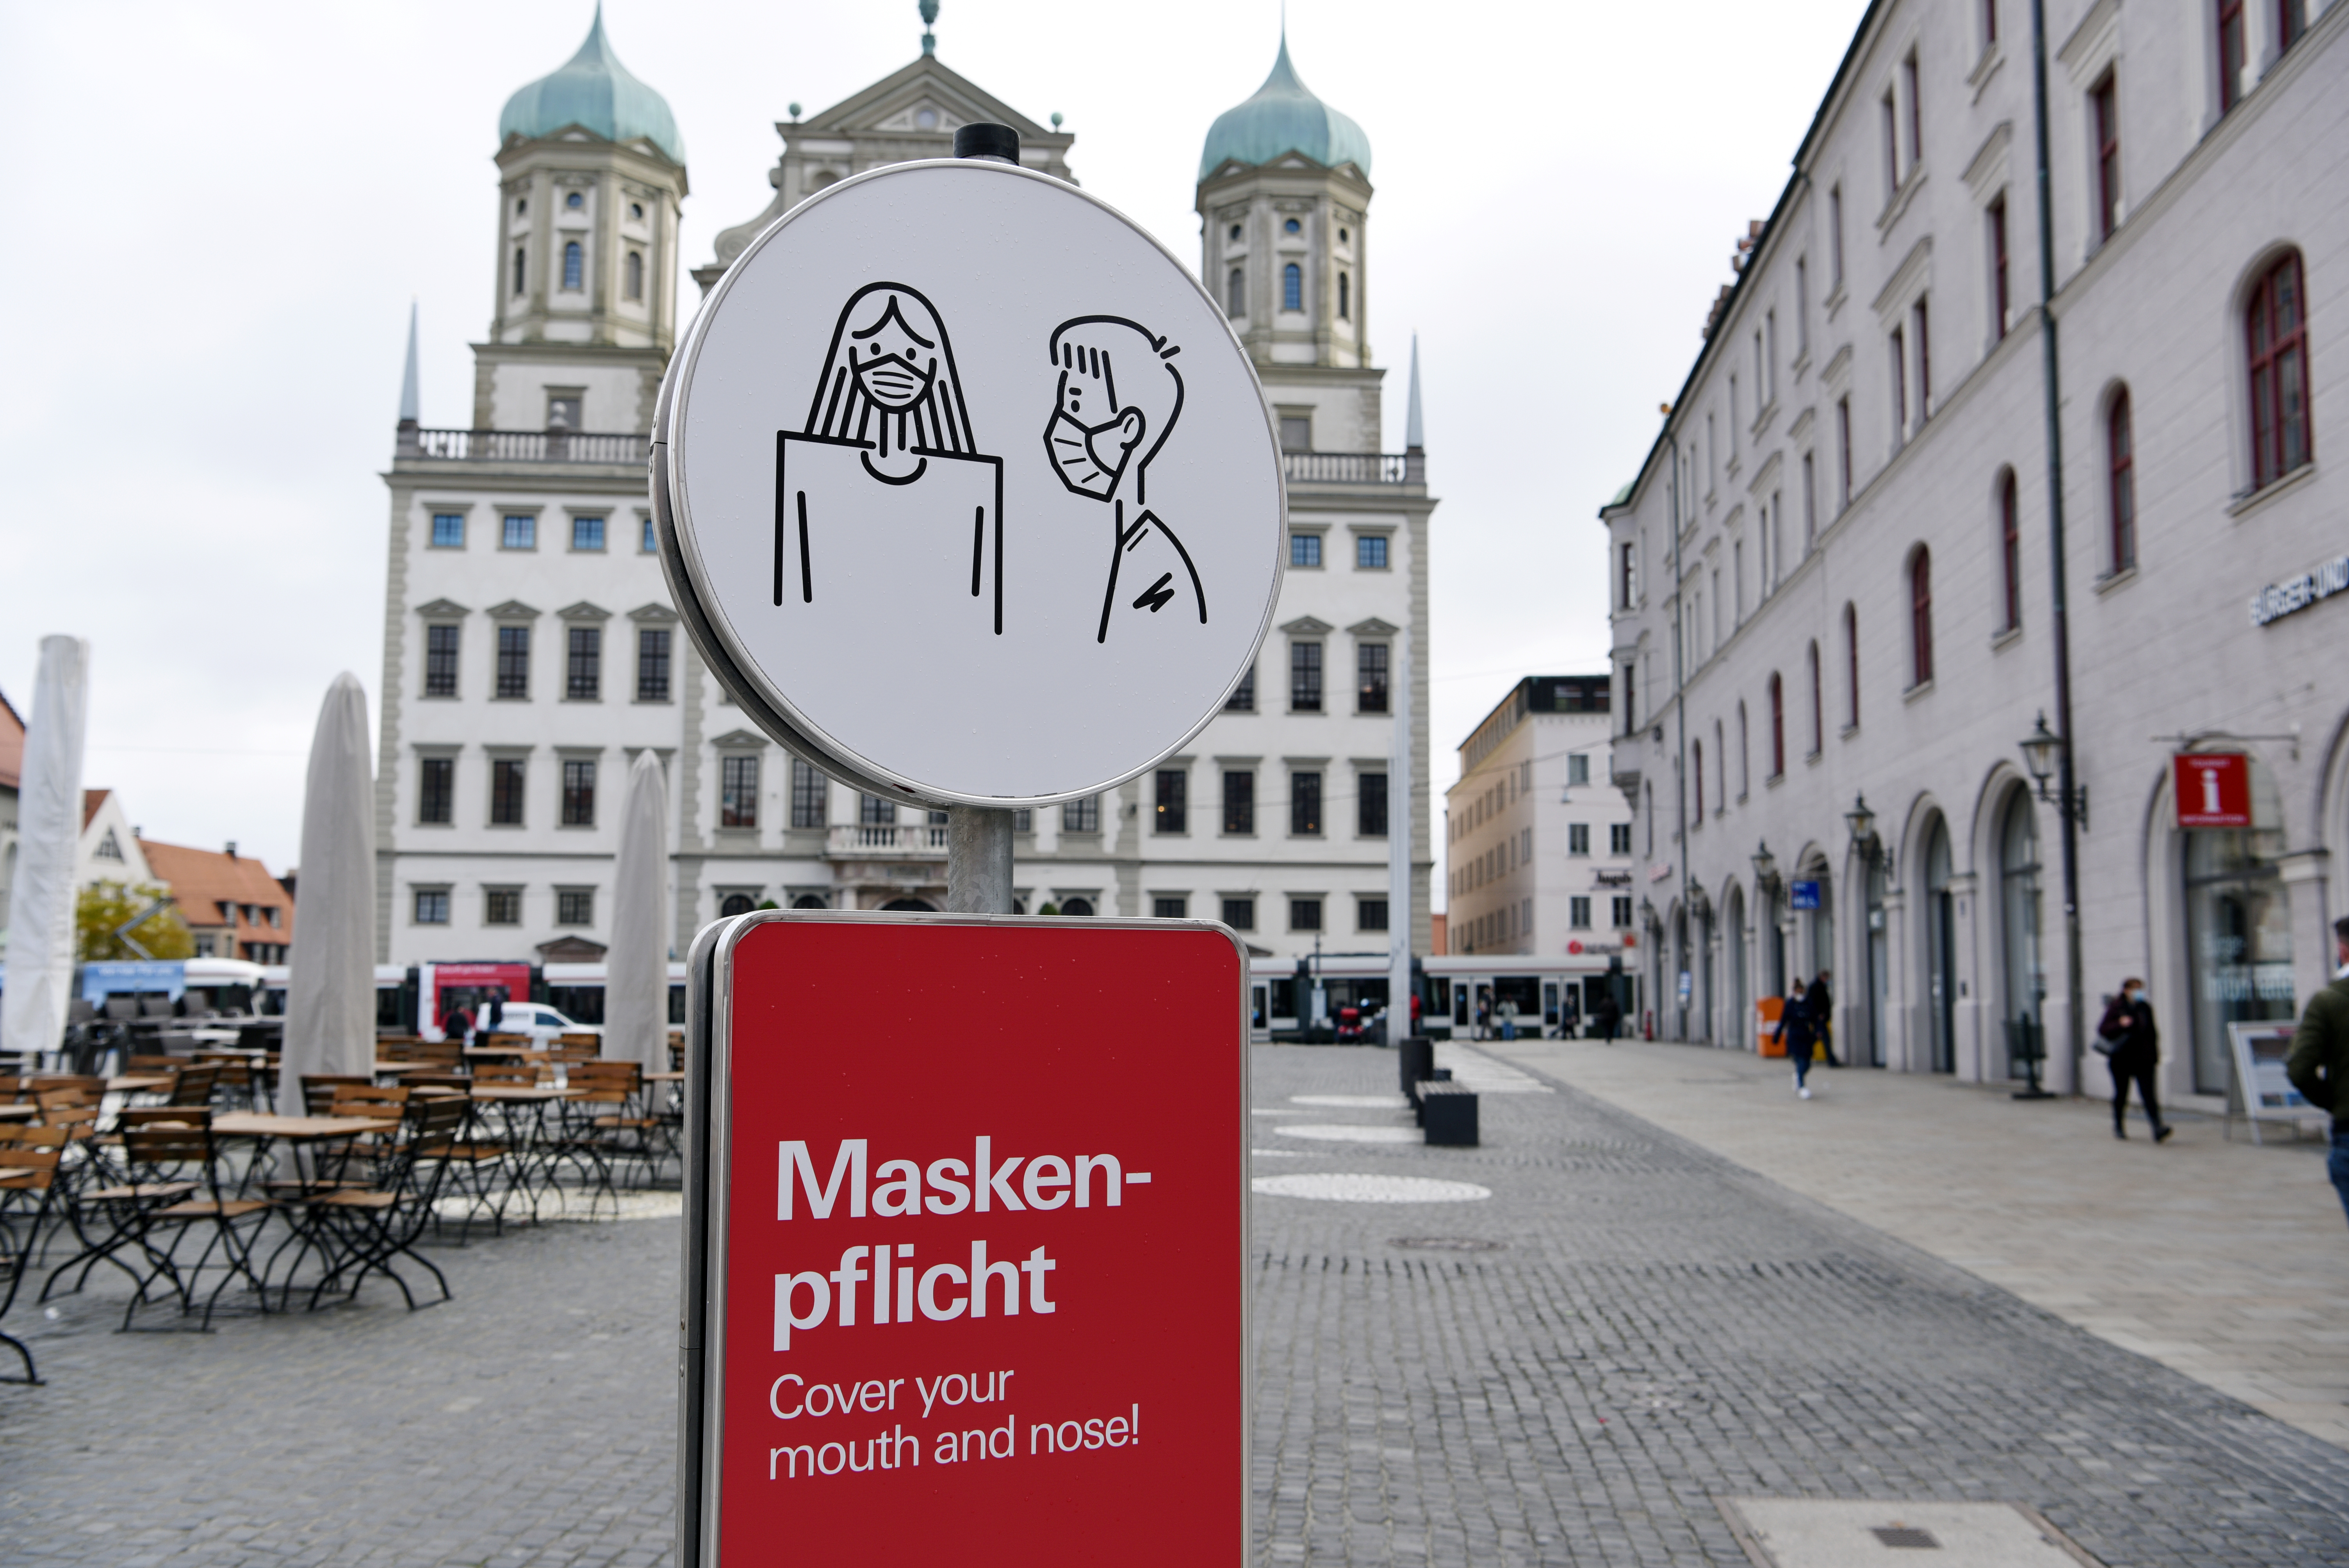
[
  {"x": 2222, "y": 1260},
  {"x": 1568, "y": 1372}
]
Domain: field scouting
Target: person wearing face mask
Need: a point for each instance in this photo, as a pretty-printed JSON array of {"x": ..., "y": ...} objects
[
  {"x": 2132, "y": 1048},
  {"x": 2319, "y": 1064},
  {"x": 1117, "y": 398},
  {"x": 884, "y": 495}
]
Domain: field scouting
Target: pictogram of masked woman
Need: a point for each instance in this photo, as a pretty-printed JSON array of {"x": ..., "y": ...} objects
[
  {"x": 1118, "y": 399},
  {"x": 884, "y": 498}
]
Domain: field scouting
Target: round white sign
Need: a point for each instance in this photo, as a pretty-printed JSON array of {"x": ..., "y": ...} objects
[{"x": 967, "y": 492}]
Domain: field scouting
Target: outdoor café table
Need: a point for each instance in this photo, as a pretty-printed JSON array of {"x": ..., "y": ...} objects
[
  {"x": 533, "y": 1147},
  {"x": 139, "y": 1083},
  {"x": 18, "y": 1112},
  {"x": 266, "y": 1128}
]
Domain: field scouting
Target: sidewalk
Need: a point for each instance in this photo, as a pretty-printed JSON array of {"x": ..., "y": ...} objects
[{"x": 2225, "y": 1262}]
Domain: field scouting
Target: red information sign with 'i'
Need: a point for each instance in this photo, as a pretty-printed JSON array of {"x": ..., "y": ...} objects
[
  {"x": 2214, "y": 789},
  {"x": 977, "y": 1243}
]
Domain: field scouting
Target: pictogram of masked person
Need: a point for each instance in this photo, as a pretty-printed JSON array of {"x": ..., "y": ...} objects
[
  {"x": 1118, "y": 399},
  {"x": 884, "y": 499}
]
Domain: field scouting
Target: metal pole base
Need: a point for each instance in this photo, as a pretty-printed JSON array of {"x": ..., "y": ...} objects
[{"x": 978, "y": 860}]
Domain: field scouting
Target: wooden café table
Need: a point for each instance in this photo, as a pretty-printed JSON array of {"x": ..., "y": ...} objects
[
  {"x": 18, "y": 1112},
  {"x": 533, "y": 1147},
  {"x": 139, "y": 1083}
]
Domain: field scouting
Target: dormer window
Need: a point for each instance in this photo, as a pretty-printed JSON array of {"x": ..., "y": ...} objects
[
  {"x": 574, "y": 202},
  {"x": 1292, "y": 227}
]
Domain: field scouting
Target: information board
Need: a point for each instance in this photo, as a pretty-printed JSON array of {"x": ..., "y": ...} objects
[
  {"x": 2260, "y": 1052},
  {"x": 2213, "y": 788},
  {"x": 967, "y": 1242}
]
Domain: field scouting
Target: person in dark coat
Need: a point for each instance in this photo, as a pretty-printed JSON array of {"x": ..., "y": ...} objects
[
  {"x": 1797, "y": 1032},
  {"x": 1607, "y": 1019},
  {"x": 2319, "y": 1064},
  {"x": 2134, "y": 1053},
  {"x": 1822, "y": 1004}
]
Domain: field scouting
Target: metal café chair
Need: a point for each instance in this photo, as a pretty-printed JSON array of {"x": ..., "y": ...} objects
[{"x": 29, "y": 1157}]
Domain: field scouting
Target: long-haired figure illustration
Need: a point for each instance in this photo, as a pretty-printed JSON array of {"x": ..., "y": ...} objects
[
  {"x": 885, "y": 492},
  {"x": 1117, "y": 398}
]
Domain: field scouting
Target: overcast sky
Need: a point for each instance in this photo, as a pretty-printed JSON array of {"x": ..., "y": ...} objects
[{"x": 222, "y": 211}]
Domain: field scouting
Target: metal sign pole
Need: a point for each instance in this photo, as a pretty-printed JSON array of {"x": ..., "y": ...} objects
[{"x": 978, "y": 860}]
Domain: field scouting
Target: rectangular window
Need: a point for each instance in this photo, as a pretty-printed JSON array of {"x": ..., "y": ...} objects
[
  {"x": 738, "y": 792},
  {"x": 1164, "y": 906},
  {"x": 1627, "y": 575},
  {"x": 1305, "y": 678},
  {"x": 1577, "y": 769},
  {"x": 1889, "y": 119},
  {"x": 2276, "y": 345},
  {"x": 1899, "y": 346},
  {"x": 507, "y": 777},
  {"x": 2292, "y": 21},
  {"x": 1835, "y": 238},
  {"x": 1297, "y": 429},
  {"x": 447, "y": 530},
  {"x": 1622, "y": 917},
  {"x": 521, "y": 532},
  {"x": 2231, "y": 54},
  {"x": 1371, "y": 805},
  {"x": 1578, "y": 913},
  {"x": 1242, "y": 698},
  {"x": 652, "y": 664},
  {"x": 1305, "y": 804},
  {"x": 2121, "y": 452},
  {"x": 1371, "y": 553},
  {"x": 501, "y": 906},
  {"x": 1305, "y": 549},
  {"x": 436, "y": 791},
  {"x": 1304, "y": 914},
  {"x": 1023, "y": 820},
  {"x": 1916, "y": 104},
  {"x": 1924, "y": 361},
  {"x": 2104, "y": 111},
  {"x": 808, "y": 794},
  {"x": 1371, "y": 673},
  {"x": 579, "y": 792},
  {"x": 1578, "y": 838},
  {"x": 575, "y": 906},
  {"x": 1618, "y": 838},
  {"x": 1843, "y": 450},
  {"x": 1239, "y": 914},
  {"x": 584, "y": 674},
  {"x": 586, "y": 533},
  {"x": 651, "y": 545},
  {"x": 1989, "y": 22},
  {"x": 1802, "y": 307},
  {"x": 440, "y": 645},
  {"x": 872, "y": 811},
  {"x": 1239, "y": 802},
  {"x": 432, "y": 906},
  {"x": 513, "y": 661},
  {"x": 1370, "y": 914},
  {"x": 2000, "y": 319},
  {"x": 1810, "y": 503},
  {"x": 1173, "y": 787},
  {"x": 1080, "y": 816}
]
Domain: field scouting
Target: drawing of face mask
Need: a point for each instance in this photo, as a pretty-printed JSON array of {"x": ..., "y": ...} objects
[
  {"x": 1090, "y": 459},
  {"x": 894, "y": 381}
]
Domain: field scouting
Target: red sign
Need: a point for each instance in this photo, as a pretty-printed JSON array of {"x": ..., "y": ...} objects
[
  {"x": 1575, "y": 946},
  {"x": 2214, "y": 788},
  {"x": 978, "y": 1247}
]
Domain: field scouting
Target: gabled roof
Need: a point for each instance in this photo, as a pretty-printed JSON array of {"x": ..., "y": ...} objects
[
  {"x": 12, "y": 744},
  {"x": 208, "y": 881},
  {"x": 925, "y": 77},
  {"x": 91, "y": 800}
]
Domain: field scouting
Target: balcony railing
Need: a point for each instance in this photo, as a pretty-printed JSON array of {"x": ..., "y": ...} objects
[
  {"x": 855, "y": 838},
  {"x": 1352, "y": 467},
  {"x": 525, "y": 446}
]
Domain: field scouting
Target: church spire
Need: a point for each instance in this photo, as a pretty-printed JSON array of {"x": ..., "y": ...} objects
[
  {"x": 410, "y": 408},
  {"x": 1414, "y": 430}
]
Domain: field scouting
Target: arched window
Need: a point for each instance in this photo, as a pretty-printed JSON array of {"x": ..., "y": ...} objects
[
  {"x": 1080, "y": 907},
  {"x": 572, "y": 263},
  {"x": 1818, "y": 715},
  {"x": 1696, "y": 771},
  {"x": 1920, "y": 617},
  {"x": 518, "y": 271},
  {"x": 636, "y": 275},
  {"x": 1236, "y": 293},
  {"x": 1777, "y": 725},
  {"x": 1292, "y": 288},
  {"x": 2275, "y": 327},
  {"x": 735, "y": 903},
  {"x": 809, "y": 900},
  {"x": 2120, "y": 465},
  {"x": 1345, "y": 299},
  {"x": 1721, "y": 765},
  {"x": 2010, "y": 554},
  {"x": 1851, "y": 664}
]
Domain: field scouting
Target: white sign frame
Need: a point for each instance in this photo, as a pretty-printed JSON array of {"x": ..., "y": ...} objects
[
  {"x": 2250, "y": 1070},
  {"x": 759, "y": 695}
]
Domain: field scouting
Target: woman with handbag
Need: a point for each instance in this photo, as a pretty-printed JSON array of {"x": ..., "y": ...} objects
[
  {"x": 2131, "y": 1048},
  {"x": 1798, "y": 1032}
]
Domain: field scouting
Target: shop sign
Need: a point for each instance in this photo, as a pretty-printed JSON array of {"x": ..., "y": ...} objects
[
  {"x": 2320, "y": 582},
  {"x": 1803, "y": 895},
  {"x": 2213, "y": 788},
  {"x": 967, "y": 1273}
]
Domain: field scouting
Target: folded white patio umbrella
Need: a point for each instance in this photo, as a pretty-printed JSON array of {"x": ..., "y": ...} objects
[
  {"x": 330, "y": 986},
  {"x": 49, "y": 840},
  {"x": 636, "y": 984}
]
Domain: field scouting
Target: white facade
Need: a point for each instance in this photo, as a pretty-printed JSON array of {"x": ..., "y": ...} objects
[
  {"x": 519, "y": 550},
  {"x": 1539, "y": 857},
  {"x": 1792, "y": 640}
]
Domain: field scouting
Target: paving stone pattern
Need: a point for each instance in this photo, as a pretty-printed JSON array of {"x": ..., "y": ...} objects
[{"x": 1656, "y": 1327}]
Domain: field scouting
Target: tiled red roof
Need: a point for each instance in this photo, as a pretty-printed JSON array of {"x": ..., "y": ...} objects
[
  {"x": 12, "y": 744},
  {"x": 212, "y": 888}
]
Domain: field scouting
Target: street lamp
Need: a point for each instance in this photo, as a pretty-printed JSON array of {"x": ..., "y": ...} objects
[
  {"x": 1863, "y": 823},
  {"x": 2039, "y": 754},
  {"x": 1765, "y": 866}
]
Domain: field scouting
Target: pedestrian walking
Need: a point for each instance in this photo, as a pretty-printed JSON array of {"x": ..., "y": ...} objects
[
  {"x": 1822, "y": 1002},
  {"x": 2319, "y": 1064},
  {"x": 2132, "y": 1049},
  {"x": 1484, "y": 1018},
  {"x": 1607, "y": 1019},
  {"x": 1798, "y": 1033}
]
